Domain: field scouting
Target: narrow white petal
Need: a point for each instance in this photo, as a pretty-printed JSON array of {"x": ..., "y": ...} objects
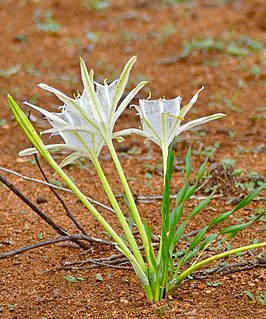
[
  {"x": 75, "y": 106},
  {"x": 70, "y": 159},
  {"x": 187, "y": 107},
  {"x": 129, "y": 131},
  {"x": 64, "y": 98},
  {"x": 68, "y": 128},
  {"x": 32, "y": 150},
  {"x": 51, "y": 116},
  {"x": 122, "y": 82},
  {"x": 199, "y": 121},
  {"x": 96, "y": 107},
  {"x": 127, "y": 100}
]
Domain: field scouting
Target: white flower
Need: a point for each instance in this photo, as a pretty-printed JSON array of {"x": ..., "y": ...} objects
[
  {"x": 75, "y": 124},
  {"x": 161, "y": 121},
  {"x": 86, "y": 123}
]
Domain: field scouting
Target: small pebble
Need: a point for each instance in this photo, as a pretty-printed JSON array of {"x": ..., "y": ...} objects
[
  {"x": 124, "y": 301},
  {"x": 41, "y": 200}
]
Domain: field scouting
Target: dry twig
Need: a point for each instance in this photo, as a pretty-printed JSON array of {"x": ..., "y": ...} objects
[
  {"x": 40, "y": 213},
  {"x": 42, "y": 243},
  {"x": 26, "y": 178}
]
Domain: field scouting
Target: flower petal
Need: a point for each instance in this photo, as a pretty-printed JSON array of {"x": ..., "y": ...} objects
[
  {"x": 70, "y": 159},
  {"x": 121, "y": 84},
  {"x": 127, "y": 100},
  {"x": 51, "y": 116},
  {"x": 105, "y": 95},
  {"x": 33, "y": 150},
  {"x": 199, "y": 121},
  {"x": 187, "y": 107},
  {"x": 79, "y": 107},
  {"x": 96, "y": 107}
]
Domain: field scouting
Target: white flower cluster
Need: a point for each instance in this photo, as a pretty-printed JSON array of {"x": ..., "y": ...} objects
[{"x": 87, "y": 122}]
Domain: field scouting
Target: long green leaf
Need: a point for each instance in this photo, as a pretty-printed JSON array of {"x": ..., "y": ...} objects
[
  {"x": 175, "y": 216},
  {"x": 234, "y": 229},
  {"x": 181, "y": 194},
  {"x": 148, "y": 231},
  {"x": 192, "y": 189},
  {"x": 27, "y": 127},
  {"x": 166, "y": 189},
  {"x": 179, "y": 232},
  {"x": 208, "y": 240},
  {"x": 202, "y": 170},
  {"x": 220, "y": 218},
  {"x": 198, "y": 237},
  {"x": 200, "y": 206},
  {"x": 249, "y": 198},
  {"x": 131, "y": 217},
  {"x": 189, "y": 256},
  {"x": 188, "y": 162}
]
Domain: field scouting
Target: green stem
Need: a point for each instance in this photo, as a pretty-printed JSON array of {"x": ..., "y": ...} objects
[
  {"x": 131, "y": 240},
  {"x": 132, "y": 204},
  {"x": 206, "y": 261}
]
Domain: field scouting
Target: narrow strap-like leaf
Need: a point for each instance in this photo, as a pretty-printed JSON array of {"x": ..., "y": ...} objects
[
  {"x": 188, "y": 162},
  {"x": 200, "y": 206},
  {"x": 220, "y": 218},
  {"x": 234, "y": 229},
  {"x": 208, "y": 240},
  {"x": 198, "y": 237},
  {"x": 249, "y": 197}
]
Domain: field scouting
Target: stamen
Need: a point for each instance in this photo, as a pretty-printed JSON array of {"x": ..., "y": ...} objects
[{"x": 76, "y": 95}]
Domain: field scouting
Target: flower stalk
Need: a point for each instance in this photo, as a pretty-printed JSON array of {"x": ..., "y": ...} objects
[{"x": 211, "y": 259}]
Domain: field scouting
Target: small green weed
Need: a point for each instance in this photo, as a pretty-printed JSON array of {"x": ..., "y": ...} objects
[
  {"x": 229, "y": 103},
  {"x": 6, "y": 73},
  {"x": 99, "y": 277},
  {"x": 253, "y": 150},
  {"x": 214, "y": 284},
  {"x": 208, "y": 151},
  {"x": 161, "y": 311},
  {"x": 201, "y": 45},
  {"x": 73, "y": 278},
  {"x": 165, "y": 31},
  {"x": 3, "y": 122},
  {"x": 45, "y": 22},
  {"x": 260, "y": 113},
  {"x": 30, "y": 69},
  {"x": 12, "y": 307},
  {"x": 40, "y": 236},
  {"x": 96, "y": 4},
  {"x": 21, "y": 38},
  {"x": 127, "y": 36},
  {"x": 260, "y": 297},
  {"x": 55, "y": 182},
  {"x": 242, "y": 46},
  {"x": 92, "y": 37}
]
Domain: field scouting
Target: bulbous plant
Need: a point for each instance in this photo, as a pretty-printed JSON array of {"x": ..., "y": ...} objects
[{"x": 86, "y": 123}]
